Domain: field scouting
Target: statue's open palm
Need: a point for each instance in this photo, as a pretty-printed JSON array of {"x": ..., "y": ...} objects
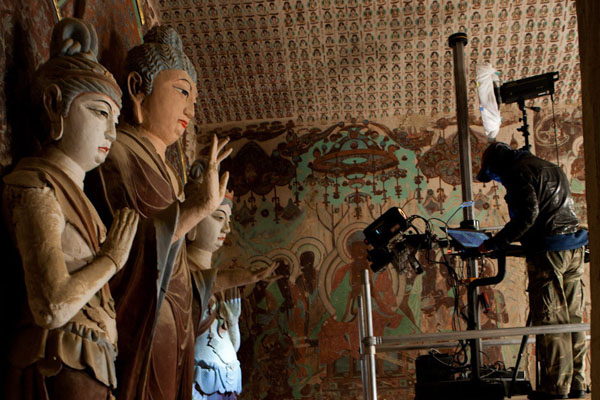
[{"x": 232, "y": 305}]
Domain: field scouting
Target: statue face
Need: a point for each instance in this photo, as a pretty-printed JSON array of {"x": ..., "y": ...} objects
[
  {"x": 89, "y": 129},
  {"x": 212, "y": 230},
  {"x": 168, "y": 109}
]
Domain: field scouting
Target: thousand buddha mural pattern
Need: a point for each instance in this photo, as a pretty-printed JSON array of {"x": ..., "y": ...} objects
[{"x": 322, "y": 61}]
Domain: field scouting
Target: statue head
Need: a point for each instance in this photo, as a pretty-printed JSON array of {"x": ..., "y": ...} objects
[
  {"x": 210, "y": 233},
  {"x": 161, "y": 86},
  {"x": 80, "y": 97}
]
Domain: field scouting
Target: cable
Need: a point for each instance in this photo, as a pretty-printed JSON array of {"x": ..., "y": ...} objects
[
  {"x": 463, "y": 205},
  {"x": 413, "y": 217},
  {"x": 454, "y": 280},
  {"x": 457, "y": 314},
  {"x": 555, "y": 132}
]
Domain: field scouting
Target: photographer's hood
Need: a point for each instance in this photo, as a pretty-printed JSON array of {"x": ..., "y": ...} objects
[{"x": 494, "y": 159}]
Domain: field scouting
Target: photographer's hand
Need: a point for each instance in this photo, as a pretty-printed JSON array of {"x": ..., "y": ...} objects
[{"x": 483, "y": 249}]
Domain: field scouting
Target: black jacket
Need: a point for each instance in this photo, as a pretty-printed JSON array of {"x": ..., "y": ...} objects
[{"x": 538, "y": 198}]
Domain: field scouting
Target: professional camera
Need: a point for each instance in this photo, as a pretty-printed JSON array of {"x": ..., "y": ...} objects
[{"x": 388, "y": 241}]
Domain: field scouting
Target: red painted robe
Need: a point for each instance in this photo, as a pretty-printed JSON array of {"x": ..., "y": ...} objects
[{"x": 153, "y": 292}]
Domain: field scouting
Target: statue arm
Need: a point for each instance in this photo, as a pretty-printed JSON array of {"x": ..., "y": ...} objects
[
  {"x": 54, "y": 294},
  {"x": 234, "y": 335},
  {"x": 232, "y": 310},
  {"x": 231, "y": 278},
  {"x": 189, "y": 216},
  {"x": 234, "y": 277}
]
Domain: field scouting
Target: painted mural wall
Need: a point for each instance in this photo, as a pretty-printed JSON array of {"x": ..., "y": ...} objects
[
  {"x": 339, "y": 110},
  {"x": 303, "y": 197}
]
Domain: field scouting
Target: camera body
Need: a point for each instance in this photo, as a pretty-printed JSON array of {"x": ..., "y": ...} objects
[
  {"x": 386, "y": 227},
  {"x": 388, "y": 241},
  {"x": 381, "y": 233}
]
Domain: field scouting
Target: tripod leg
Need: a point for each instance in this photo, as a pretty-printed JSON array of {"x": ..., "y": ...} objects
[{"x": 520, "y": 355}]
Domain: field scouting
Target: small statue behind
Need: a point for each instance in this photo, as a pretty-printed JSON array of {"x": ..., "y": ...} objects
[
  {"x": 217, "y": 305},
  {"x": 65, "y": 344},
  {"x": 217, "y": 371}
]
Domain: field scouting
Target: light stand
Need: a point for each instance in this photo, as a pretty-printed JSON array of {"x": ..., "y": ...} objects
[{"x": 524, "y": 129}]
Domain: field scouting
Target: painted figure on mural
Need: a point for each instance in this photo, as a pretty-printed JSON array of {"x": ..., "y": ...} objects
[
  {"x": 154, "y": 292},
  {"x": 310, "y": 309},
  {"x": 495, "y": 314},
  {"x": 337, "y": 338},
  {"x": 543, "y": 219},
  {"x": 216, "y": 303},
  {"x": 438, "y": 291},
  {"x": 350, "y": 275},
  {"x": 305, "y": 323},
  {"x": 266, "y": 326},
  {"x": 65, "y": 344}
]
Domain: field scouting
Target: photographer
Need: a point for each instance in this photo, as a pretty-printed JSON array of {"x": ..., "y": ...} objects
[{"x": 542, "y": 218}]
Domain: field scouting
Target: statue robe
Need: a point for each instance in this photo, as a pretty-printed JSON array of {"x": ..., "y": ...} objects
[
  {"x": 217, "y": 371},
  {"x": 153, "y": 292},
  {"x": 203, "y": 282},
  {"x": 80, "y": 354}
]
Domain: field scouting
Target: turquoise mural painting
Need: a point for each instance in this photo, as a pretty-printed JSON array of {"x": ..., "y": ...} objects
[{"x": 303, "y": 197}]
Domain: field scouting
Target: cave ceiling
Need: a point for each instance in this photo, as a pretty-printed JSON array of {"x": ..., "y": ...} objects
[{"x": 323, "y": 61}]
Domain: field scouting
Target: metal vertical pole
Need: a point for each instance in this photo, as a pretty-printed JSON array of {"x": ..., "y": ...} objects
[
  {"x": 361, "y": 348},
  {"x": 369, "y": 345},
  {"x": 458, "y": 41}
]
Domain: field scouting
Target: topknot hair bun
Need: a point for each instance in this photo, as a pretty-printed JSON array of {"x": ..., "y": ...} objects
[
  {"x": 163, "y": 34},
  {"x": 162, "y": 50},
  {"x": 73, "y": 36}
]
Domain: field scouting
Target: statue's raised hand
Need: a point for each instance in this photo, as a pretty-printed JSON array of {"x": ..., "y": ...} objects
[
  {"x": 204, "y": 194},
  {"x": 211, "y": 191},
  {"x": 120, "y": 236},
  {"x": 232, "y": 305}
]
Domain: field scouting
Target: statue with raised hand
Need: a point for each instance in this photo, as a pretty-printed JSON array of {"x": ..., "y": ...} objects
[
  {"x": 65, "y": 344},
  {"x": 154, "y": 292}
]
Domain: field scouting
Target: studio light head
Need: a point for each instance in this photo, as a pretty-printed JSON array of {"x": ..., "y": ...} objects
[{"x": 526, "y": 88}]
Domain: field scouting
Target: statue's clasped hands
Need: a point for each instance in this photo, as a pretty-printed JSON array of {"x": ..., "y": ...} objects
[{"x": 120, "y": 237}]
